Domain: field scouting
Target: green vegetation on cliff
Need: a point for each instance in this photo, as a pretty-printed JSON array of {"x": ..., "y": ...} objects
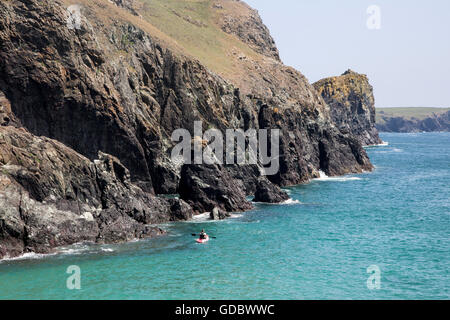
[
  {"x": 409, "y": 113},
  {"x": 413, "y": 119}
]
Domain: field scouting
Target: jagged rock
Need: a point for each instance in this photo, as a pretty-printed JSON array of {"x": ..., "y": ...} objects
[
  {"x": 245, "y": 23},
  {"x": 350, "y": 97},
  {"x": 206, "y": 187},
  {"x": 246, "y": 176},
  {"x": 131, "y": 5},
  {"x": 308, "y": 146},
  {"x": 29, "y": 225},
  {"x": 52, "y": 196},
  {"x": 179, "y": 210},
  {"x": 217, "y": 214},
  {"x": 268, "y": 192},
  {"x": 6, "y": 116}
]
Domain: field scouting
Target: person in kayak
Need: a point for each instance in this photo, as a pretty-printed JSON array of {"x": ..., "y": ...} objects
[{"x": 203, "y": 235}]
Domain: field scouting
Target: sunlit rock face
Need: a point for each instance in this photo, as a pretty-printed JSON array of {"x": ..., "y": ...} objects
[{"x": 350, "y": 97}]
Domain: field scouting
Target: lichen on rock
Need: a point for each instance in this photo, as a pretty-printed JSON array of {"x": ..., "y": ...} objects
[{"x": 350, "y": 97}]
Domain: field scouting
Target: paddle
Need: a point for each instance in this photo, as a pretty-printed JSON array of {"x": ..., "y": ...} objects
[{"x": 197, "y": 235}]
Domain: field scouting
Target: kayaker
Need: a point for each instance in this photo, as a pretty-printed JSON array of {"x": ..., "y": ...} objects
[{"x": 203, "y": 234}]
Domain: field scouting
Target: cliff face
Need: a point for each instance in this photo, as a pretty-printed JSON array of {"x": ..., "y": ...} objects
[
  {"x": 432, "y": 123},
  {"x": 350, "y": 97},
  {"x": 114, "y": 88},
  {"x": 108, "y": 88},
  {"x": 119, "y": 85}
]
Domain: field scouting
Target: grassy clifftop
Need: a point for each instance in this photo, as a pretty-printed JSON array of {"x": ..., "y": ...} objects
[
  {"x": 408, "y": 113},
  {"x": 413, "y": 119}
]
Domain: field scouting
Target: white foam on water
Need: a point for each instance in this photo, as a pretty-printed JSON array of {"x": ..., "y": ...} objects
[
  {"x": 201, "y": 217},
  {"x": 383, "y": 144},
  {"x": 162, "y": 225},
  {"x": 68, "y": 250},
  {"x": 206, "y": 218},
  {"x": 390, "y": 150},
  {"x": 27, "y": 256},
  {"x": 324, "y": 177},
  {"x": 292, "y": 201},
  {"x": 74, "y": 249}
]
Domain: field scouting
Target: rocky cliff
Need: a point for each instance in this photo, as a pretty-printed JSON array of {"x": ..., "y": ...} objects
[
  {"x": 120, "y": 83},
  {"x": 350, "y": 97},
  {"x": 52, "y": 196}
]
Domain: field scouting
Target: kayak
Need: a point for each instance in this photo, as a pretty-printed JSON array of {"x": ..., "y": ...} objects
[{"x": 203, "y": 240}]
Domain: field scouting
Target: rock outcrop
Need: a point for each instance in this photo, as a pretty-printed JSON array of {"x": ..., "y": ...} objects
[
  {"x": 433, "y": 123},
  {"x": 239, "y": 19},
  {"x": 130, "y": 5},
  {"x": 6, "y": 116},
  {"x": 52, "y": 196},
  {"x": 245, "y": 176},
  {"x": 269, "y": 193},
  {"x": 350, "y": 97},
  {"x": 217, "y": 214},
  {"x": 206, "y": 187}
]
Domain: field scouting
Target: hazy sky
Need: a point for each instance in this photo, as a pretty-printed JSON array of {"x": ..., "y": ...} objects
[{"x": 407, "y": 60}]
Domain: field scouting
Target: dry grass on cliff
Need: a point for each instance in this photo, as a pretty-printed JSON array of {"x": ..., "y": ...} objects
[
  {"x": 189, "y": 27},
  {"x": 106, "y": 14},
  {"x": 193, "y": 28},
  {"x": 193, "y": 25}
]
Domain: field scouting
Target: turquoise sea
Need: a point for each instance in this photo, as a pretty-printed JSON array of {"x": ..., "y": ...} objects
[{"x": 317, "y": 247}]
